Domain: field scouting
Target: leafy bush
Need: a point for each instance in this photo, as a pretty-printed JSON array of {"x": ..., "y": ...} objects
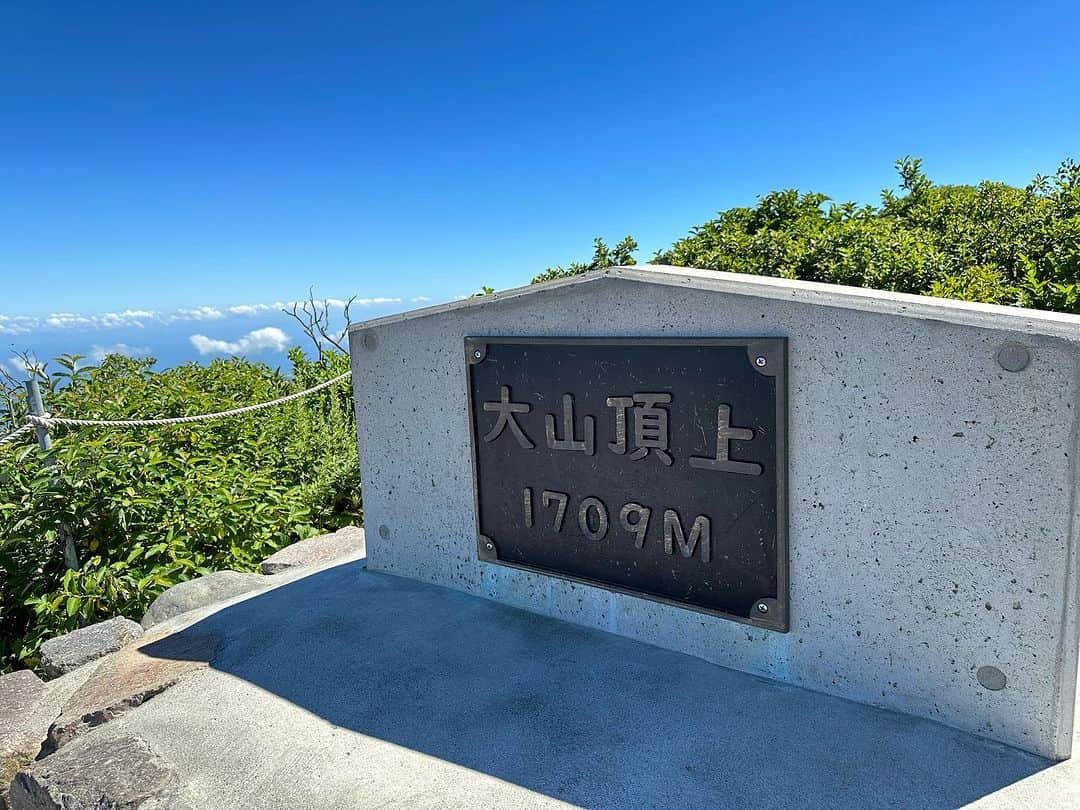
[
  {"x": 603, "y": 256},
  {"x": 150, "y": 507},
  {"x": 991, "y": 243}
]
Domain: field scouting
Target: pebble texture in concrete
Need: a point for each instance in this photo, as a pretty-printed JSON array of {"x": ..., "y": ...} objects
[
  {"x": 199, "y": 592},
  {"x": 345, "y": 689},
  {"x": 932, "y": 486},
  {"x": 64, "y": 653},
  {"x": 316, "y": 551}
]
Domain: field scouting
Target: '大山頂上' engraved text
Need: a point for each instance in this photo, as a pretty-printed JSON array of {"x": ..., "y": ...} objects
[{"x": 647, "y": 412}]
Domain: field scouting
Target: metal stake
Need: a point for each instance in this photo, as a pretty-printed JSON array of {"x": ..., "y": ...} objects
[{"x": 37, "y": 408}]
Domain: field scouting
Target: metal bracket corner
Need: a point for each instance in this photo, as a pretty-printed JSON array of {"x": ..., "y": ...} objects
[
  {"x": 766, "y": 356},
  {"x": 767, "y": 613},
  {"x": 475, "y": 350},
  {"x": 486, "y": 549}
]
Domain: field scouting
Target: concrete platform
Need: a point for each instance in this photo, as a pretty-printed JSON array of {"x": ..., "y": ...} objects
[{"x": 349, "y": 689}]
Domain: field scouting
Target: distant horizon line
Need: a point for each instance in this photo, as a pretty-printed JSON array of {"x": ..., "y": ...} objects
[{"x": 18, "y": 325}]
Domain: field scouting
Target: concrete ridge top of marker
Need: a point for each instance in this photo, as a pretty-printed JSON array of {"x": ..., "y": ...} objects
[{"x": 966, "y": 313}]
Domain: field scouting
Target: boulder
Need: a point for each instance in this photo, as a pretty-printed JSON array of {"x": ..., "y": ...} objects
[
  {"x": 64, "y": 653},
  {"x": 316, "y": 551},
  {"x": 128, "y": 679},
  {"x": 27, "y": 708},
  {"x": 21, "y": 733},
  {"x": 200, "y": 592},
  {"x": 118, "y": 771}
]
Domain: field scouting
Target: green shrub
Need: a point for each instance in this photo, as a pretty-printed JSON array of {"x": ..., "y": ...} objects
[
  {"x": 603, "y": 256},
  {"x": 150, "y": 507},
  {"x": 991, "y": 243}
]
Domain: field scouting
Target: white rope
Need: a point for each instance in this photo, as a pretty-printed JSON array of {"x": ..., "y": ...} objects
[
  {"x": 51, "y": 421},
  {"x": 13, "y": 436}
]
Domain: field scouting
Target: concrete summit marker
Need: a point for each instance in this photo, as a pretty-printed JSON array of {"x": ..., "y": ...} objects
[
  {"x": 616, "y": 462},
  {"x": 931, "y": 491}
]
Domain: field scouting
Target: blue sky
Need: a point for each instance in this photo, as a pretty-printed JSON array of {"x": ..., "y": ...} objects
[{"x": 159, "y": 157}]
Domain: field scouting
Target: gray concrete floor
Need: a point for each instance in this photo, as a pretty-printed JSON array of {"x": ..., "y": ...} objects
[{"x": 350, "y": 689}]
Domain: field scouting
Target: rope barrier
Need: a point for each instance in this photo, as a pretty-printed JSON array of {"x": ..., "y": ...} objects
[
  {"x": 13, "y": 436},
  {"x": 50, "y": 421}
]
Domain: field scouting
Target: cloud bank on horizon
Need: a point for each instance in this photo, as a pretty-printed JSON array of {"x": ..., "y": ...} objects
[
  {"x": 140, "y": 318},
  {"x": 166, "y": 335}
]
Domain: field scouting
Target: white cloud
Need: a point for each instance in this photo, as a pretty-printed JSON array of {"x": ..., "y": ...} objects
[
  {"x": 140, "y": 318},
  {"x": 15, "y": 366},
  {"x": 269, "y": 338},
  {"x": 67, "y": 320},
  {"x": 15, "y": 324},
  {"x": 129, "y": 317},
  {"x": 419, "y": 299},
  {"x": 99, "y": 353},
  {"x": 203, "y": 313},
  {"x": 19, "y": 368},
  {"x": 248, "y": 309}
]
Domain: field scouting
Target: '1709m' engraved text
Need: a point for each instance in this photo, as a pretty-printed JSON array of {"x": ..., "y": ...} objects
[{"x": 594, "y": 521}]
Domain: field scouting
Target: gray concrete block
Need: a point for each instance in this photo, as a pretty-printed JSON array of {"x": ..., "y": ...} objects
[
  {"x": 932, "y": 488},
  {"x": 64, "y": 653},
  {"x": 316, "y": 551},
  {"x": 200, "y": 592}
]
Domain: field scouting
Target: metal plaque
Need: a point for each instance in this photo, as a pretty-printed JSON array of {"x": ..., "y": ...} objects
[{"x": 650, "y": 466}]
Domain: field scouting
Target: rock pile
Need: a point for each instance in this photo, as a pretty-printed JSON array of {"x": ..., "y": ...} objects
[{"x": 56, "y": 748}]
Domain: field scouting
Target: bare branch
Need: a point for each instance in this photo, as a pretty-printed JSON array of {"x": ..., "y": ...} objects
[
  {"x": 12, "y": 396},
  {"x": 35, "y": 367},
  {"x": 314, "y": 318},
  {"x": 7, "y": 379}
]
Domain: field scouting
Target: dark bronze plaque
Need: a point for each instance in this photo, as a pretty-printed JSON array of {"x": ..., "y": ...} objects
[{"x": 651, "y": 466}]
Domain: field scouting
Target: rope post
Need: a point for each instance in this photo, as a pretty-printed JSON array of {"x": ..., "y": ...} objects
[{"x": 36, "y": 407}]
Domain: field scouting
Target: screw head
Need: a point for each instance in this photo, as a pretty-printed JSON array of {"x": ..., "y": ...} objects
[
  {"x": 762, "y": 607},
  {"x": 476, "y": 354},
  {"x": 761, "y": 361},
  {"x": 490, "y": 546}
]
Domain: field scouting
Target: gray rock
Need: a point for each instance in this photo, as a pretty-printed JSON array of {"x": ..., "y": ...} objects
[
  {"x": 20, "y": 727},
  {"x": 197, "y": 593},
  {"x": 317, "y": 550},
  {"x": 128, "y": 679},
  {"x": 103, "y": 773},
  {"x": 27, "y": 708},
  {"x": 64, "y": 653}
]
